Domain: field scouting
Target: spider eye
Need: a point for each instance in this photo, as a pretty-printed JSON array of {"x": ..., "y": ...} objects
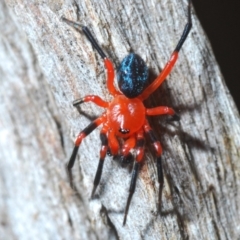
[
  {"x": 132, "y": 75},
  {"x": 124, "y": 131}
]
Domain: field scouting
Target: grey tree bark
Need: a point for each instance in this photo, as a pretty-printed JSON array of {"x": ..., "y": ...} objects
[{"x": 45, "y": 65}]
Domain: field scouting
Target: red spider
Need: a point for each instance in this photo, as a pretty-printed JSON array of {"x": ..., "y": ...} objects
[{"x": 125, "y": 115}]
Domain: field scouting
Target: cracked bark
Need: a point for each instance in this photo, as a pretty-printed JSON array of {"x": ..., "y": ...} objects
[{"x": 45, "y": 65}]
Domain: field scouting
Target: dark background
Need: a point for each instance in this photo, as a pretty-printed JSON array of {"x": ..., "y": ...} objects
[{"x": 221, "y": 21}]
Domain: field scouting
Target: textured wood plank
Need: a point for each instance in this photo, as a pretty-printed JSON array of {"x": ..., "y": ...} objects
[{"x": 42, "y": 77}]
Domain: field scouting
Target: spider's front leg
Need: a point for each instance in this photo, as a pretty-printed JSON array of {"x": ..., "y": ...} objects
[
  {"x": 173, "y": 59},
  {"x": 107, "y": 62},
  {"x": 93, "y": 125},
  {"x": 139, "y": 157}
]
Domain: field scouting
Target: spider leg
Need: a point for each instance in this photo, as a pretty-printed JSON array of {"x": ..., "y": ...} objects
[
  {"x": 103, "y": 152},
  {"x": 139, "y": 157},
  {"x": 93, "y": 125},
  {"x": 168, "y": 67},
  {"x": 162, "y": 110},
  {"x": 158, "y": 149},
  {"x": 127, "y": 146},
  {"x": 113, "y": 144},
  {"x": 107, "y": 62},
  {"x": 91, "y": 98}
]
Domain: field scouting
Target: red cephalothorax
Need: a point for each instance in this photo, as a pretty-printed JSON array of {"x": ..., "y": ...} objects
[{"x": 125, "y": 116}]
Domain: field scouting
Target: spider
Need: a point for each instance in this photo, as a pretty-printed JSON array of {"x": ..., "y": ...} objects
[{"x": 125, "y": 116}]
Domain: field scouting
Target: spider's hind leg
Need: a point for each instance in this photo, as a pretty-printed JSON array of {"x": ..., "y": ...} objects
[
  {"x": 158, "y": 149},
  {"x": 92, "y": 126},
  {"x": 139, "y": 157},
  {"x": 103, "y": 152}
]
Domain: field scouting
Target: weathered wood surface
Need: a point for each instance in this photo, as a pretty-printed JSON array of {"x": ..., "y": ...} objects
[{"x": 45, "y": 65}]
